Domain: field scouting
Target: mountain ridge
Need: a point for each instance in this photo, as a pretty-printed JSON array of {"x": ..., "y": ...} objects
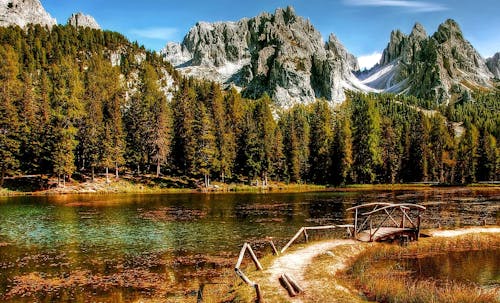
[
  {"x": 280, "y": 54},
  {"x": 24, "y": 12},
  {"x": 435, "y": 67}
]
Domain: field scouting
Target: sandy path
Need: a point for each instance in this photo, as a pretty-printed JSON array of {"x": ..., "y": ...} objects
[
  {"x": 463, "y": 231},
  {"x": 296, "y": 262}
]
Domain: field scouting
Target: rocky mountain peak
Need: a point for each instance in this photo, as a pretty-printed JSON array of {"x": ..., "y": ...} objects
[
  {"x": 435, "y": 67},
  {"x": 448, "y": 30},
  {"x": 81, "y": 20},
  {"x": 393, "y": 49},
  {"x": 418, "y": 31},
  {"x": 280, "y": 54},
  {"x": 24, "y": 12},
  {"x": 335, "y": 47},
  {"x": 493, "y": 64}
]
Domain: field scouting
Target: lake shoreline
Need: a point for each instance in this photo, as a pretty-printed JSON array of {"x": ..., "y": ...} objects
[{"x": 164, "y": 186}]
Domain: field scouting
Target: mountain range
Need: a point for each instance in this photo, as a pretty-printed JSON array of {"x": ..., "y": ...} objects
[{"x": 283, "y": 55}]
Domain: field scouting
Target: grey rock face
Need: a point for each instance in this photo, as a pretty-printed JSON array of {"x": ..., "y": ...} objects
[
  {"x": 493, "y": 64},
  {"x": 24, "y": 12},
  {"x": 435, "y": 67},
  {"x": 280, "y": 54},
  {"x": 81, "y": 20}
]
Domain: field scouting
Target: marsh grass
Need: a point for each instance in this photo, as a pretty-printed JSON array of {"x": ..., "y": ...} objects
[
  {"x": 324, "y": 284},
  {"x": 388, "y": 281}
]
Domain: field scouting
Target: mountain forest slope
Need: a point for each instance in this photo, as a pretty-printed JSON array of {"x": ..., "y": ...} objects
[{"x": 79, "y": 100}]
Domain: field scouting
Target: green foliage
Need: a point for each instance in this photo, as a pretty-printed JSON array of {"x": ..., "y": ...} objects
[{"x": 67, "y": 104}]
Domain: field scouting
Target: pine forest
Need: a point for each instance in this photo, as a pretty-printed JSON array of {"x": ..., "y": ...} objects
[{"x": 68, "y": 111}]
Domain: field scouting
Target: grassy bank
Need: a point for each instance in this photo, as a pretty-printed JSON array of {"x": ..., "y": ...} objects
[
  {"x": 380, "y": 273},
  {"x": 147, "y": 184}
]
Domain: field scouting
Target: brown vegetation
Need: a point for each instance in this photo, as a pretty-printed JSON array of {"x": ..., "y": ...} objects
[{"x": 388, "y": 281}]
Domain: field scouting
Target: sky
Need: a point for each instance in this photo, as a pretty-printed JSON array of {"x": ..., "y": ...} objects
[{"x": 363, "y": 26}]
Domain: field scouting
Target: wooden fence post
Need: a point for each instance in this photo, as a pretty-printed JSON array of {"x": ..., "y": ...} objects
[
  {"x": 287, "y": 286},
  {"x": 258, "y": 294}
]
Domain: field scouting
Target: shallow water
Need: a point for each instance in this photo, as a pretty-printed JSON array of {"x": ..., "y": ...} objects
[
  {"x": 116, "y": 248},
  {"x": 478, "y": 267}
]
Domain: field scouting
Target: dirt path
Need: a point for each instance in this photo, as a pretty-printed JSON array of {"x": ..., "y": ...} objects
[{"x": 295, "y": 263}]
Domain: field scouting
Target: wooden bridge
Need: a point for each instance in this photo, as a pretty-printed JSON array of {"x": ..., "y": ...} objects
[{"x": 386, "y": 221}]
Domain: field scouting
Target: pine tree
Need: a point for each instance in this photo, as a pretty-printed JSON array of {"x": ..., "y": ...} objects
[
  {"x": 67, "y": 109},
  {"x": 487, "y": 157},
  {"x": 114, "y": 137},
  {"x": 206, "y": 159},
  {"x": 184, "y": 142},
  {"x": 320, "y": 142},
  {"x": 9, "y": 122},
  {"x": 467, "y": 155},
  {"x": 159, "y": 127},
  {"x": 366, "y": 139},
  {"x": 342, "y": 157}
]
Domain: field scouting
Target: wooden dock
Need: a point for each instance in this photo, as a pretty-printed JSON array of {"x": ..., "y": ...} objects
[
  {"x": 387, "y": 221},
  {"x": 383, "y": 233}
]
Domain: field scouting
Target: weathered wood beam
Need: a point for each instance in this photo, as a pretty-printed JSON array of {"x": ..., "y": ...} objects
[
  {"x": 242, "y": 254},
  {"x": 254, "y": 258},
  {"x": 286, "y": 284},
  {"x": 294, "y": 284},
  {"x": 292, "y": 240}
]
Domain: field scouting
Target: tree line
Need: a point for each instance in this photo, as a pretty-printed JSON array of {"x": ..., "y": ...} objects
[{"x": 65, "y": 108}]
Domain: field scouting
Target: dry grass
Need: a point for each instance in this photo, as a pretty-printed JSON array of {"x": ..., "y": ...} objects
[
  {"x": 390, "y": 283},
  {"x": 324, "y": 284}
]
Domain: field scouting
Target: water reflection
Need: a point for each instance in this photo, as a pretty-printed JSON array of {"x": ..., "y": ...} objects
[
  {"x": 126, "y": 246},
  {"x": 480, "y": 267}
]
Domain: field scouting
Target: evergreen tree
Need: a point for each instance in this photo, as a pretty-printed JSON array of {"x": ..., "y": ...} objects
[
  {"x": 66, "y": 111},
  {"x": 320, "y": 142},
  {"x": 342, "y": 158},
  {"x": 159, "y": 124},
  {"x": 206, "y": 152},
  {"x": 9, "y": 120},
  {"x": 366, "y": 139},
  {"x": 184, "y": 145},
  {"x": 467, "y": 155},
  {"x": 487, "y": 157}
]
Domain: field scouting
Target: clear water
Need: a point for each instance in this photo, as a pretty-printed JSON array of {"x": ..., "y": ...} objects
[
  {"x": 477, "y": 267},
  {"x": 121, "y": 247}
]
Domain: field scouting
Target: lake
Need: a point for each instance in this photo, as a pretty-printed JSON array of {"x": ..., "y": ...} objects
[{"x": 117, "y": 248}]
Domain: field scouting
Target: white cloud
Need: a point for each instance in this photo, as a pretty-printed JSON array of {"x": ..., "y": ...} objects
[
  {"x": 369, "y": 61},
  {"x": 416, "y": 6},
  {"x": 158, "y": 33}
]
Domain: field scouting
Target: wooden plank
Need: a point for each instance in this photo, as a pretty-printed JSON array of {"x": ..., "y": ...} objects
[
  {"x": 284, "y": 282},
  {"x": 384, "y": 208},
  {"x": 242, "y": 254},
  {"x": 243, "y": 276},
  {"x": 368, "y": 205},
  {"x": 294, "y": 284},
  {"x": 275, "y": 251},
  {"x": 254, "y": 257},
  {"x": 370, "y": 235},
  {"x": 321, "y": 227},
  {"x": 292, "y": 240},
  {"x": 258, "y": 293}
]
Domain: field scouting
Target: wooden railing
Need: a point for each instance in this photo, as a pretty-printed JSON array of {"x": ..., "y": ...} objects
[{"x": 363, "y": 221}]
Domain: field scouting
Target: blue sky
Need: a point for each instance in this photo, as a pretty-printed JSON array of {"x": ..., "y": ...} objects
[{"x": 363, "y": 26}]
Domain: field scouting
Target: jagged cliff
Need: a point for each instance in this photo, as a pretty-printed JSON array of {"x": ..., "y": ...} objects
[
  {"x": 280, "y": 54},
  {"x": 24, "y": 12},
  {"x": 432, "y": 67},
  {"x": 493, "y": 64},
  {"x": 81, "y": 20}
]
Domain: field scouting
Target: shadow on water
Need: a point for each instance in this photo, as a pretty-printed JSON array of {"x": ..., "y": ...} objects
[
  {"x": 479, "y": 267},
  {"x": 117, "y": 248}
]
